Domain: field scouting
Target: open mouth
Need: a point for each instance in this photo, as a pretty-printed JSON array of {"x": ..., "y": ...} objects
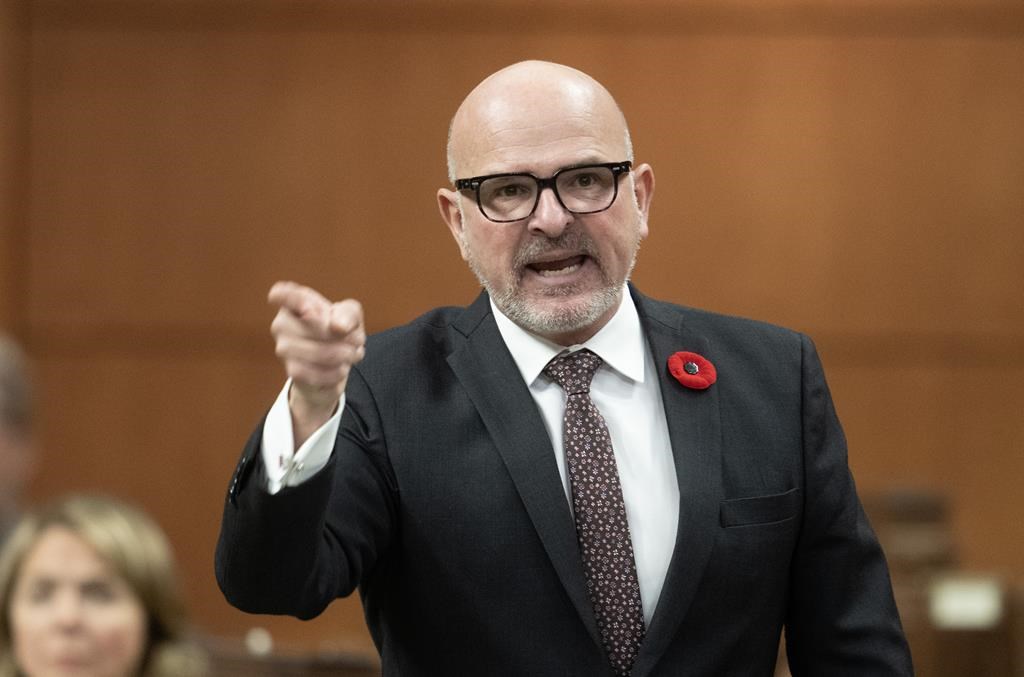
[{"x": 557, "y": 267}]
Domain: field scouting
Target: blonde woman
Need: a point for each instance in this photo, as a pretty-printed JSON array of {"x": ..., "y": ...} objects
[{"x": 88, "y": 588}]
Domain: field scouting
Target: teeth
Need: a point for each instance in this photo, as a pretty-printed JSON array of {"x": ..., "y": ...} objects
[{"x": 560, "y": 271}]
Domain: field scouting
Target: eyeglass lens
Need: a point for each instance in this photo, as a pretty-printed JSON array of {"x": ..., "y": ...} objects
[{"x": 581, "y": 190}]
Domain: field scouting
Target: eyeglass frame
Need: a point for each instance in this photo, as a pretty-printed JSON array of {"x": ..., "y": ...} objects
[{"x": 474, "y": 183}]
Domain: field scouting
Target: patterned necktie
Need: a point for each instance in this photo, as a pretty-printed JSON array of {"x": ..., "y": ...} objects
[{"x": 600, "y": 512}]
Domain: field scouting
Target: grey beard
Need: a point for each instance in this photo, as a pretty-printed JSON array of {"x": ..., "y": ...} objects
[
  {"x": 566, "y": 318},
  {"x": 562, "y": 320}
]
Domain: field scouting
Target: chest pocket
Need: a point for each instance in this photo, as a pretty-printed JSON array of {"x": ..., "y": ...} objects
[{"x": 741, "y": 512}]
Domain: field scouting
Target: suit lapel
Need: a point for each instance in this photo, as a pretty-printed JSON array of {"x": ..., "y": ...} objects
[
  {"x": 487, "y": 371},
  {"x": 694, "y": 430}
]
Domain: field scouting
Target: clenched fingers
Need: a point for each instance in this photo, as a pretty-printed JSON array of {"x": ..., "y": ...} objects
[
  {"x": 314, "y": 355},
  {"x": 316, "y": 340}
]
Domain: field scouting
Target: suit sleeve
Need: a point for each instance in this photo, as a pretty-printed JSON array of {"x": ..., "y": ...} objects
[
  {"x": 296, "y": 551},
  {"x": 842, "y": 618}
]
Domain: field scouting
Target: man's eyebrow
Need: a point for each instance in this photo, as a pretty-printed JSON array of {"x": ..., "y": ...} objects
[
  {"x": 582, "y": 163},
  {"x": 572, "y": 165}
]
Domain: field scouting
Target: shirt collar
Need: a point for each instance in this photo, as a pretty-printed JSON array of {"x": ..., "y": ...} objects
[{"x": 620, "y": 343}]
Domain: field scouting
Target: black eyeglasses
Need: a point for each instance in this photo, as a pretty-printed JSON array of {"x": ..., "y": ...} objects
[{"x": 585, "y": 189}]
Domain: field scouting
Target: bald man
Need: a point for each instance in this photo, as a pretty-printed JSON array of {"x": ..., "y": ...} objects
[{"x": 565, "y": 477}]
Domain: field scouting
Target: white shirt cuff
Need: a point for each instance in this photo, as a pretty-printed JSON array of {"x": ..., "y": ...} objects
[{"x": 286, "y": 466}]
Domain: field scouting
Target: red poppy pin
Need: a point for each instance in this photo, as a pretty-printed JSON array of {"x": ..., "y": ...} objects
[{"x": 692, "y": 370}]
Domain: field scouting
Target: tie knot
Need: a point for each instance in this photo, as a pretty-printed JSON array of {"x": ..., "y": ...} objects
[{"x": 573, "y": 371}]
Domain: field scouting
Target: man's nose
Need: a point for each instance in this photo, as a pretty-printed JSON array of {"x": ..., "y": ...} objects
[{"x": 550, "y": 218}]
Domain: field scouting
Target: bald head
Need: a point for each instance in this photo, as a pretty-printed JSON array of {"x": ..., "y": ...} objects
[{"x": 534, "y": 106}]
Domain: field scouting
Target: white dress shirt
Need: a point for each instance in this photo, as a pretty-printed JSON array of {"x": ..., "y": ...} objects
[{"x": 625, "y": 390}]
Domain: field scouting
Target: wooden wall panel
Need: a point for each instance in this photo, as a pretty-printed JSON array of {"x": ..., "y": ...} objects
[
  {"x": 958, "y": 430},
  {"x": 14, "y": 41},
  {"x": 195, "y": 158},
  {"x": 868, "y": 179},
  {"x": 854, "y": 170}
]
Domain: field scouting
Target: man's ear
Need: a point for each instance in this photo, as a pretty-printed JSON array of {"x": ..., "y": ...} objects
[
  {"x": 448, "y": 203},
  {"x": 643, "y": 189}
]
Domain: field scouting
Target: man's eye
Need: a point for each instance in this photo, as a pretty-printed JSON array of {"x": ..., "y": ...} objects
[
  {"x": 506, "y": 190},
  {"x": 587, "y": 180}
]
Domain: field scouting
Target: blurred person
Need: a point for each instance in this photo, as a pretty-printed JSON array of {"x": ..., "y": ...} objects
[
  {"x": 566, "y": 477},
  {"x": 88, "y": 588},
  {"x": 17, "y": 457}
]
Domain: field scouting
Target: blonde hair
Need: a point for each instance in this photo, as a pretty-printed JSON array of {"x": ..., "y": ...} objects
[{"x": 137, "y": 550}]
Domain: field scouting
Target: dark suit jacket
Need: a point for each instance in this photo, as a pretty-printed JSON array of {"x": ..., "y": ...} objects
[{"x": 442, "y": 504}]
